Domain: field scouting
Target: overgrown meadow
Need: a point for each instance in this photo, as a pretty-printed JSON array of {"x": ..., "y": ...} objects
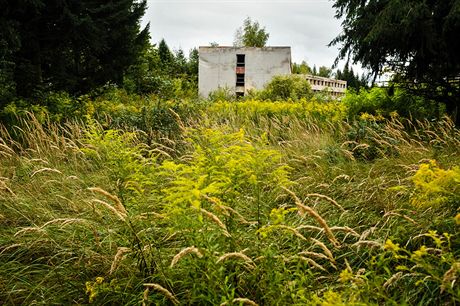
[{"x": 138, "y": 200}]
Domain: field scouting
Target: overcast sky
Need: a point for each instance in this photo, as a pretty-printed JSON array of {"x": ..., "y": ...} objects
[{"x": 305, "y": 25}]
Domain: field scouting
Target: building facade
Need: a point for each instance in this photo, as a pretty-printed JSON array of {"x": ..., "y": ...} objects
[
  {"x": 240, "y": 69},
  {"x": 334, "y": 87}
]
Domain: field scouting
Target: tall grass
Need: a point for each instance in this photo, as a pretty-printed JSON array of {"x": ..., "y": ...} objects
[{"x": 243, "y": 206}]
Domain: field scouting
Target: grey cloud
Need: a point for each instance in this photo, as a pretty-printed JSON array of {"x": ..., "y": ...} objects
[{"x": 305, "y": 25}]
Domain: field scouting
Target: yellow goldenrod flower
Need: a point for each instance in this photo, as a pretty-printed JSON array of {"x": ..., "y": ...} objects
[
  {"x": 390, "y": 246},
  {"x": 419, "y": 253}
]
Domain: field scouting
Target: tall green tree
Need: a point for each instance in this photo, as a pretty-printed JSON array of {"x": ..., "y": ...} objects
[
  {"x": 301, "y": 68},
  {"x": 70, "y": 45},
  {"x": 325, "y": 72},
  {"x": 416, "y": 39},
  {"x": 353, "y": 80},
  {"x": 251, "y": 34}
]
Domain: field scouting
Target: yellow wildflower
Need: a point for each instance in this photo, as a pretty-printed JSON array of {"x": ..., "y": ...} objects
[
  {"x": 419, "y": 253},
  {"x": 390, "y": 246}
]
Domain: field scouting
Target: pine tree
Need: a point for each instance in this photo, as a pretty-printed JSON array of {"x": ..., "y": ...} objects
[{"x": 69, "y": 44}]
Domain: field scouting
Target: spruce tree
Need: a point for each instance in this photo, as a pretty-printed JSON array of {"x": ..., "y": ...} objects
[{"x": 70, "y": 44}]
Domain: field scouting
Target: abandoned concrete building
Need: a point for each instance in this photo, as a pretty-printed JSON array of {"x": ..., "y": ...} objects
[
  {"x": 336, "y": 88},
  {"x": 240, "y": 69},
  {"x": 246, "y": 68}
]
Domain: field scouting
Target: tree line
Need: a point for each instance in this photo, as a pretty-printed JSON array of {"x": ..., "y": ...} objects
[{"x": 76, "y": 46}]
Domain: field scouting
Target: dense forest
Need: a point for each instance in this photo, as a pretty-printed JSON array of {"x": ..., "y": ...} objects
[{"x": 120, "y": 185}]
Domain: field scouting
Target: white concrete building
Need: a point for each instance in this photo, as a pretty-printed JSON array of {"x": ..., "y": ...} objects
[
  {"x": 240, "y": 69},
  {"x": 336, "y": 88}
]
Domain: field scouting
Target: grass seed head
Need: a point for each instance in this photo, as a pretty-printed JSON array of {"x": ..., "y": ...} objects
[
  {"x": 184, "y": 252},
  {"x": 163, "y": 291}
]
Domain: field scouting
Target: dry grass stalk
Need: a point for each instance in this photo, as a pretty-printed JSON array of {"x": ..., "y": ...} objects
[
  {"x": 16, "y": 245},
  {"x": 345, "y": 229},
  {"x": 45, "y": 170},
  {"x": 226, "y": 208},
  {"x": 237, "y": 255},
  {"x": 63, "y": 221},
  {"x": 118, "y": 205},
  {"x": 341, "y": 176},
  {"x": 29, "y": 229},
  {"x": 324, "y": 248},
  {"x": 145, "y": 297},
  {"x": 392, "y": 213},
  {"x": 216, "y": 220},
  {"x": 184, "y": 252},
  {"x": 368, "y": 243},
  {"x": 111, "y": 208},
  {"x": 450, "y": 276},
  {"x": 163, "y": 291},
  {"x": 290, "y": 229},
  {"x": 314, "y": 254},
  {"x": 8, "y": 151},
  {"x": 3, "y": 186},
  {"x": 312, "y": 263},
  {"x": 178, "y": 120},
  {"x": 237, "y": 301},
  {"x": 367, "y": 233},
  {"x": 309, "y": 227},
  {"x": 118, "y": 258},
  {"x": 324, "y": 197},
  {"x": 303, "y": 208},
  {"x": 393, "y": 279}
]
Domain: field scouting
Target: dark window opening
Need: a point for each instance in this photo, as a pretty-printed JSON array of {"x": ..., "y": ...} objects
[
  {"x": 239, "y": 94},
  {"x": 239, "y": 79},
  {"x": 240, "y": 60}
]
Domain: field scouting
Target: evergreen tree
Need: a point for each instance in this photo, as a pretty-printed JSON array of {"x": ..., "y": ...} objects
[
  {"x": 353, "y": 80},
  {"x": 193, "y": 61},
  {"x": 70, "y": 45},
  {"x": 301, "y": 68},
  {"x": 417, "y": 40},
  {"x": 324, "y": 72}
]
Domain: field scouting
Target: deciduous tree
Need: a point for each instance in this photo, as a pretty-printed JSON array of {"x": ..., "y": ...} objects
[{"x": 251, "y": 34}]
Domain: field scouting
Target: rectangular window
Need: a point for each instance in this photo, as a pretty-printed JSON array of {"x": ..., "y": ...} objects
[
  {"x": 240, "y": 60},
  {"x": 239, "y": 79}
]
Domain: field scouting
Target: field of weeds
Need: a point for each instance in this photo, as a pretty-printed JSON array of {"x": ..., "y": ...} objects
[{"x": 244, "y": 204}]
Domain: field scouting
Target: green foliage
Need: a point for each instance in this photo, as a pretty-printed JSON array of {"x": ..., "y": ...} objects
[
  {"x": 222, "y": 94},
  {"x": 301, "y": 68},
  {"x": 290, "y": 87},
  {"x": 67, "y": 46},
  {"x": 251, "y": 35},
  {"x": 415, "y": 39},
  {"x": 206, "y": 203},
  {"x": 250, "y": 110},
  {"x": 380, "y": 101},
  {"x": 353, "y": 80},
  {"x": 324, "y": 72},
  {"x": 159, "y": 71},
  {"x": 435, "y": 186}
]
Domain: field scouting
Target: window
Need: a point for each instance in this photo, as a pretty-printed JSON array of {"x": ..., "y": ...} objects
[
  {"x": 239, "y": 79},
  {"x": 239, "y": 94},
  {"x": 240, "y": 60}
]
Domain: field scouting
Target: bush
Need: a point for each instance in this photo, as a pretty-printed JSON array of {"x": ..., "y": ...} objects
[
  {"x": 380, "y": 101},
  {"x": 285, "y": 87}
]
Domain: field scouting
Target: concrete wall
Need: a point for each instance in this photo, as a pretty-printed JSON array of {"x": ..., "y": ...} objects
[{"x": 217, "y": 67}]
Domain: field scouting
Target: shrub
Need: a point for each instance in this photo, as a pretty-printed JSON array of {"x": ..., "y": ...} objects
[
  {"x": 435, "y": 186},
  {"x": 285, "y": 87},
  {"x": 381, "y": 101}
]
